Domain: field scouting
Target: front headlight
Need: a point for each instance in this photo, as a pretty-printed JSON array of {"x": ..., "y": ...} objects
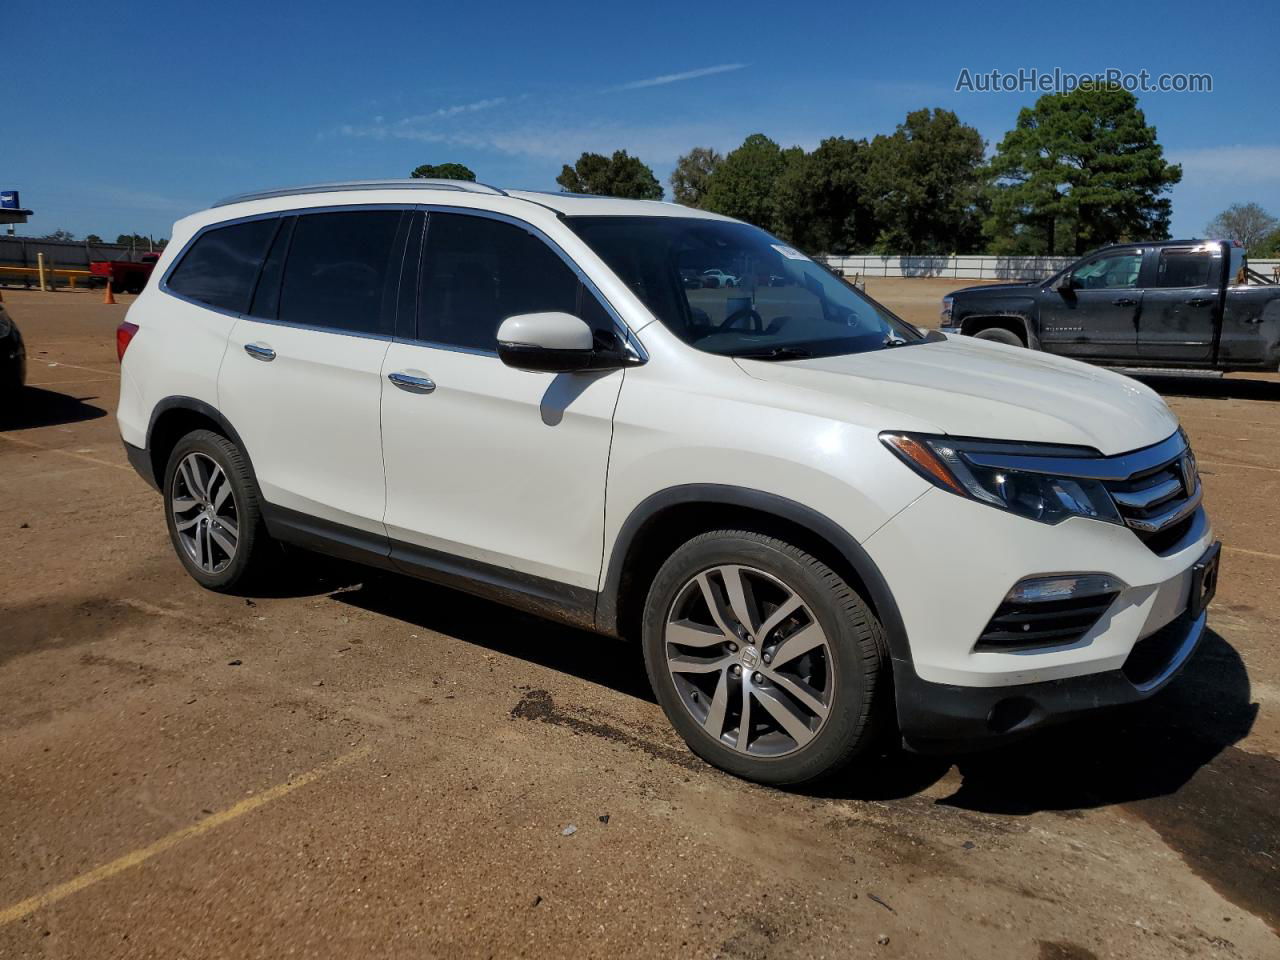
[{"x": 1037, "y": 496}]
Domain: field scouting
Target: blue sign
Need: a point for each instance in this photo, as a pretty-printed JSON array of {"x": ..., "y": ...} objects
[{"x": 9, "y": 200}]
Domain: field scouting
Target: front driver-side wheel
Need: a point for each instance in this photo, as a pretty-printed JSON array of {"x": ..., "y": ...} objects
[
  {"x": 213, "y": 513},
  {"x": 765, "y": 660},
  {"x": 1000, "y": 335}
]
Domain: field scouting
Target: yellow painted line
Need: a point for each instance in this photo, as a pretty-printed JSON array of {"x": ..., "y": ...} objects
[
  {"x": 137, "y": 857},
  {"x": 1246, "y": 466},
  {"x": 1252, "y": 553},
  {"x": 74, "y": 366},
  {"x": 66, "y": 453},
  {"x": 59, "y": 383}
]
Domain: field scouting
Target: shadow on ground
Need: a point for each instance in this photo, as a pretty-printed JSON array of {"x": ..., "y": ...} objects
[
  {"x": 36, "y": 407},
  {"x": 603, "y": 660},
  {"x": 1216, "y": 388},
  {"x": 1171, "y": 761}
]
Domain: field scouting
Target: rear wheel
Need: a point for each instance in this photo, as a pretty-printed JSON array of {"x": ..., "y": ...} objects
[
  {"x": 1000, "y": 335},
  {"x": 213, "y": 512},
  {"x": 767, "y": 663}
]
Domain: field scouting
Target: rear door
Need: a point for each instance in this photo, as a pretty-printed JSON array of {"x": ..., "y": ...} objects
[
  {"x": 1180, "y": 305},
  {"x": 302, "y": 375},
  {"x": 1097, "y": 317},
  {"x": 490, "y": 469}
]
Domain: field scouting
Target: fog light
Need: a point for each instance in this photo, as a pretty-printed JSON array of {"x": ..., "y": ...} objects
[{"x": 1063, "y": 587}]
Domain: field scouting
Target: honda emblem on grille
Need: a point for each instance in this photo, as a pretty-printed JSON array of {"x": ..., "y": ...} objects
[{"x": 1188, "y": 469}]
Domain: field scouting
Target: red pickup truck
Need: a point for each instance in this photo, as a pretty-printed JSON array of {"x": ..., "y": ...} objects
[{"x": 125, "y": 276}]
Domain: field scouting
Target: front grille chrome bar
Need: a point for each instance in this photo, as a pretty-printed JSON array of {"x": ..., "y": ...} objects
[
  {"x": 1142, "y": 499},
  {"x": 1173, "y": 515}
]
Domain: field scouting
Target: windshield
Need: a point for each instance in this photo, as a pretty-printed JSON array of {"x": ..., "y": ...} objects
[{"x": 732, "y": 289}]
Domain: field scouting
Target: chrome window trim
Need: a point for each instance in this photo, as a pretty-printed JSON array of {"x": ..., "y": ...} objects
[
  {"x": 276, "y": 214},
  {"x": 620, "y": 325},
  {"x": 1119, "y": 467}
]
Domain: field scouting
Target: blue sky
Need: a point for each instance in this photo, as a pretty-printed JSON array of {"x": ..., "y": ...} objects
[{"x": 132, "y": 117}]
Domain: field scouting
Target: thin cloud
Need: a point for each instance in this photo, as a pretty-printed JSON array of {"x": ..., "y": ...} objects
[
  {"x": 678, "y": 77},
  {"x": 1236, "y": 163},
  {"x": 445, "y": 112}
]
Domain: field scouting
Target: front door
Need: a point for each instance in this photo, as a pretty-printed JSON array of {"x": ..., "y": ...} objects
[
  {"x": 493, "y": 472},
  {"x": 1096, "y": 317},
  {"x": 1180, "y": 305},
  {"x": 302, "y": 375}
]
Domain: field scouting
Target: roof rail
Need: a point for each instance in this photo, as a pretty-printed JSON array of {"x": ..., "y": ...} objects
[{"x": 464, "y": 186}]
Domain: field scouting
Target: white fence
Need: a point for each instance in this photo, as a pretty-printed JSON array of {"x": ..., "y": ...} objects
[{"x": 974, "y": 267}]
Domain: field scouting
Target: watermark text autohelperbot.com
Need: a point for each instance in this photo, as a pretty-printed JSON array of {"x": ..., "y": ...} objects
[{"x": 1057, "y": 80}]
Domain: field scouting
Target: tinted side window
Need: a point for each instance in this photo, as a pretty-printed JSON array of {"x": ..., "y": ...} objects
[
  {"x": 221, "y": 266},
  {"x": 266, "y": 297},
  {"x": 477, "y": 272},
  {"x": 1183, "y": 268},
  {"x": 339, "y": 273},
  {"x": 1110, "y": 271}
]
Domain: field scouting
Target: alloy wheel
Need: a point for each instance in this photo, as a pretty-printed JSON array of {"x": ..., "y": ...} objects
[
  {"x": 749, "y": 660},
  {"x": 205, "y": 513}
]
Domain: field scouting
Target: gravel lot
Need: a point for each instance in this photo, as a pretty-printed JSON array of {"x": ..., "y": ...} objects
[{"x": 364, "y": 765}]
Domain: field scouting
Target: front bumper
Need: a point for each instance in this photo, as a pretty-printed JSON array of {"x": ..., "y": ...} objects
[{"x": 944, "y": 718}]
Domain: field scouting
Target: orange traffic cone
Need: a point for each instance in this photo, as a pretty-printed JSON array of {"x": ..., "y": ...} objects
[{"x": 108, "y": 297}]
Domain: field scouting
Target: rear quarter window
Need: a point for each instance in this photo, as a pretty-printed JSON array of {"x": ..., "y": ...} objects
[{"x": 220, "y": 267}]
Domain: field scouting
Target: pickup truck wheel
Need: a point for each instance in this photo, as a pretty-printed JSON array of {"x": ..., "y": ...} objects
[
  {"x": 766, "y": 662},
  {"x": 213, "y": 514},
  {"x": 1000, "y": 335}
]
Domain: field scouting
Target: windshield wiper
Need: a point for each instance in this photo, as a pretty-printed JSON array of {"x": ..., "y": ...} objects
[
  {"x": 776, "y": 353},
  {"x": 892, "y": 341}
]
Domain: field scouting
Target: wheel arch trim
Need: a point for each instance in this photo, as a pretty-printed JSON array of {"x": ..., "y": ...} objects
[
  {"x": 204, "y": 409},
  {"x": 758, "y": 501}
]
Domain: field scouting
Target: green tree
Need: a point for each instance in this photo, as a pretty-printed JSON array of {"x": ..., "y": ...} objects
[
  {"x": 819, "y": 202},
  {"x": 924, "y": 185},
  {"x": 621, "y": 175},
  {"x": 93, "y": 238},
  {"x": 692, "y": 175},
  {"x": 1269, "y": 246},
  {"x": 1079, "y": 170},
  {"x": 744, "y": 183},
  {"x": 1246, "y": 223},
  {"x": 443, "y": 171},
  {"x": 59, "y": 235}
]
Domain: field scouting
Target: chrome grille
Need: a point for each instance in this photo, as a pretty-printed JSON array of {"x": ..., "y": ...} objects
[{"x": 1158, "y": 502}]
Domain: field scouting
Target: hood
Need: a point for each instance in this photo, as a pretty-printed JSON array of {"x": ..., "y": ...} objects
[
  {"x": 973, "y": 388},
  {"x": 998, "y": 287}
]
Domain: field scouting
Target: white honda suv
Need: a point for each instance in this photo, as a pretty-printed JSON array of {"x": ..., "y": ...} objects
[{"x": 822, "y": 524}]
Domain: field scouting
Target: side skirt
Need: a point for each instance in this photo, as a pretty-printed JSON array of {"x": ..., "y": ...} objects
[{"x": 537, "y": 595}]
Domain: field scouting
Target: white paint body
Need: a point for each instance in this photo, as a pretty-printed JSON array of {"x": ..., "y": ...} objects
[{"x": 537, "y": 473}]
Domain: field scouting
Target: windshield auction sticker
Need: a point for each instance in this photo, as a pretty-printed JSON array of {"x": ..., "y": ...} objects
[{"x": 791, "y": 253}]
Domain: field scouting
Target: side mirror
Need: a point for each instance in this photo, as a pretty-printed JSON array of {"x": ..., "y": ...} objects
[
  {"x": 547, "y": 343},
  {"x": 1066, "y": 285}
]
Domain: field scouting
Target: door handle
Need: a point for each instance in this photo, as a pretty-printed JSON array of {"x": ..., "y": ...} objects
[
  {"x": 1199, "y": 302},
  {"x": 407, "y": 381},
  {"x": 260, "y": 351},
  {"x": 1125, "y": 302}
]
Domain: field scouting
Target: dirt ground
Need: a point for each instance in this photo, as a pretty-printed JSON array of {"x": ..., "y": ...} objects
[{"x": 364, "y": 765}]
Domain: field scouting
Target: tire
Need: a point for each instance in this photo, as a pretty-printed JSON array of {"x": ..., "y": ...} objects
[
  {"x": 208, "y": 509},
  {"x": 1000, "y": 335},
  {"x": 789, "y": 739}
]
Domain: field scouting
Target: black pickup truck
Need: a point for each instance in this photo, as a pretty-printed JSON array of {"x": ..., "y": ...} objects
[{"x": 1193, "y": 304}]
